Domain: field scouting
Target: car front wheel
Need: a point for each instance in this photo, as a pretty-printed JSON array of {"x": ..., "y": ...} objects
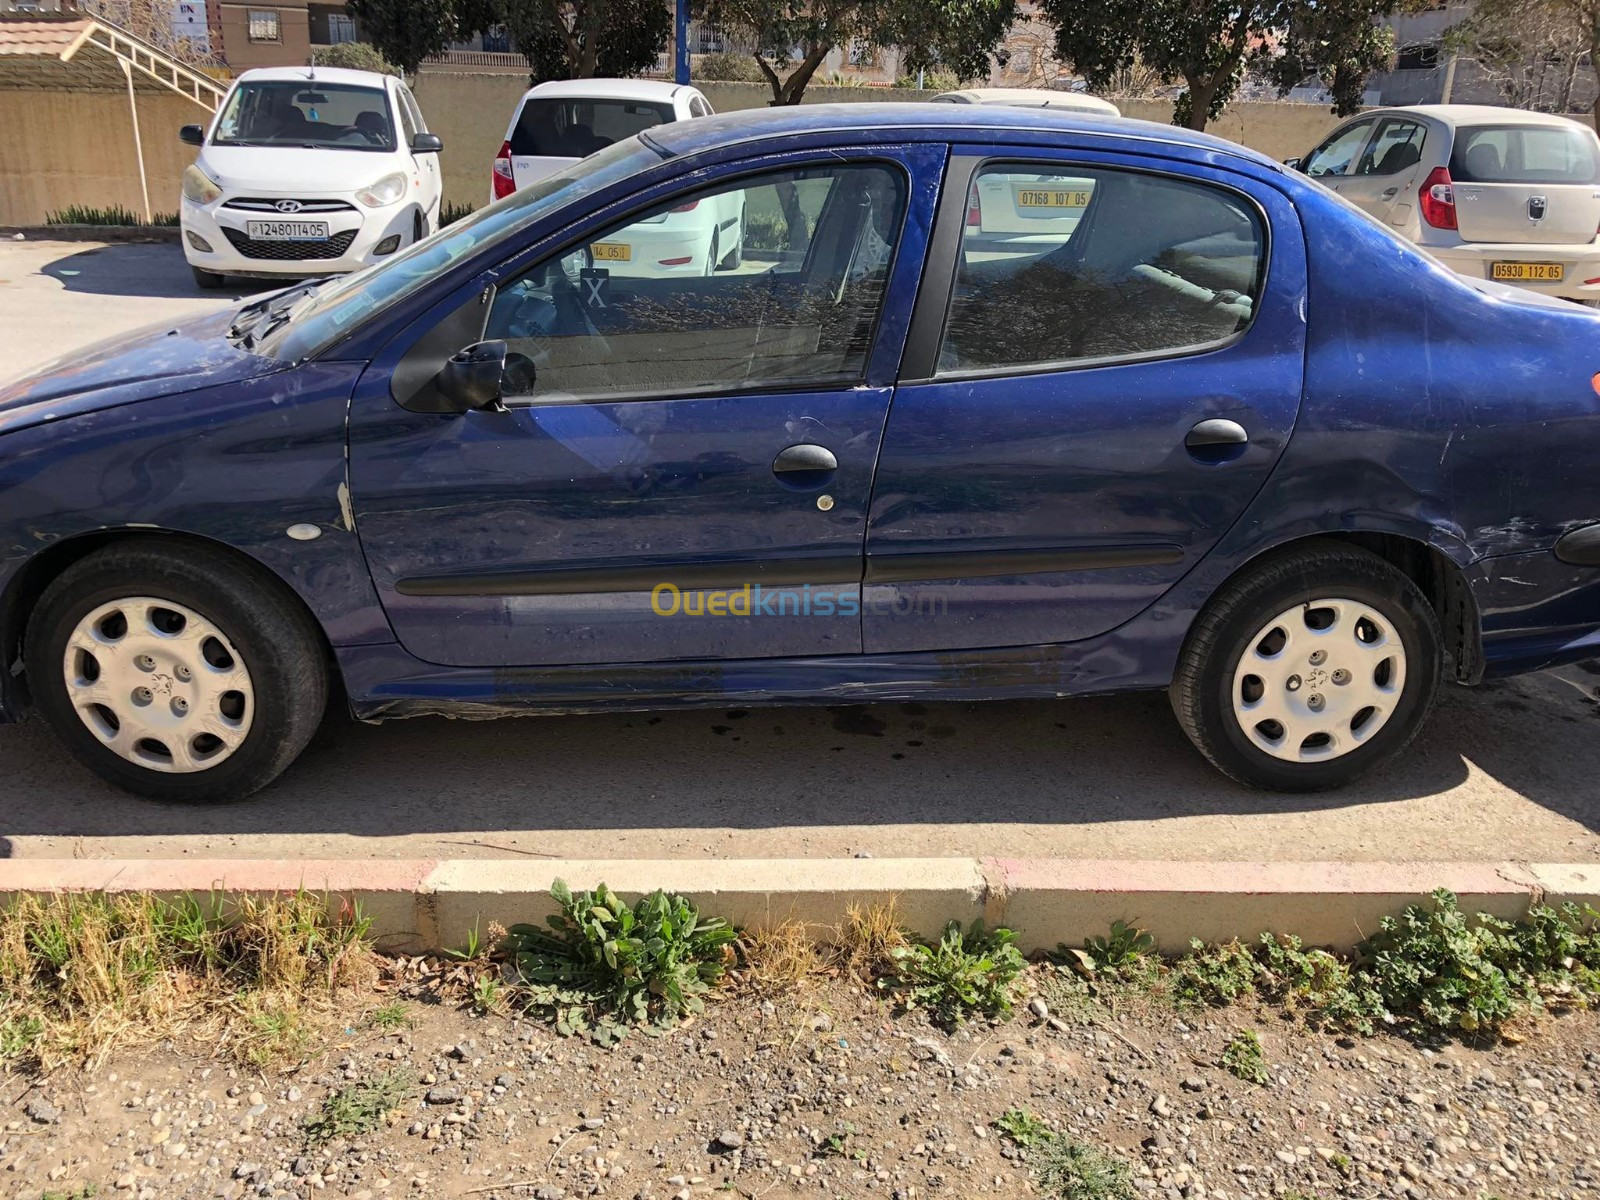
[
  {"x": 176, "y": 673},
  {"x": 1310, "y": 670}
]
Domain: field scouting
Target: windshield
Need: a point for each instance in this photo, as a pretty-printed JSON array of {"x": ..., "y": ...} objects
[
  {"x": 1563, "y": 153},
  {"x": 574, "y": 128},
  {"x": 306, "y": 113},
  {"x": 337, "y": 307}
]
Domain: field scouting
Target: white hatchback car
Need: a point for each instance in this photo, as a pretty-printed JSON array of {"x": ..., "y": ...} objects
[
  {"x": 1493, "y": 193},
  {"x": 308, "y": 171},
  {"x": 558, "y": 123}
]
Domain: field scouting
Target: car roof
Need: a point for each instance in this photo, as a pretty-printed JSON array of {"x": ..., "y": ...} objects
[
  {"x": 605, "y": 89},
  {"x": 1030, "y": 98},
  {"x": 1481, "y": 114},
  {"x": 926, "y": 120},
  {"x": 314, "y": 74}
]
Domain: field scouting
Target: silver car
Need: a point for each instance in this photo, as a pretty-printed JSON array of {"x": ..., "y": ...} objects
[{"x": 1494, "y": 193}]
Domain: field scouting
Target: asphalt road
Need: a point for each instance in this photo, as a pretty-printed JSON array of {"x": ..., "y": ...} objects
[{"x": 1508, "y": 771}]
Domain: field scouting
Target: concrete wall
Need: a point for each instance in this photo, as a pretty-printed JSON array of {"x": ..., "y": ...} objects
[{"x": 61, "y": 148}]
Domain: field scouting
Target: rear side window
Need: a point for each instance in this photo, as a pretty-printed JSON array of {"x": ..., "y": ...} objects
[
  {"x": 1060, "y": 266},
  {"x": 576, "y": 128},
  {"x": 1524, "y": 154}
]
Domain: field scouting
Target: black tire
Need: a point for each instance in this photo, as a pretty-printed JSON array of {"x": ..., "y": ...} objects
[
  {"x": 209, "y": 280},
  {"x": 1202, "y": 691},
  {"x": 275, "y": 637},
  {"x": 735, "y": 259},
  {"x": 419, "y": 227},
  {"x": 712, "y": 254}
]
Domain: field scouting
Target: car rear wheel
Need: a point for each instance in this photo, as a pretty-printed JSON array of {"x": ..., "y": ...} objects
[
  {"x": 1310, "y": 670},
  {"x": 209, "y": 280},
  {"x": 711, "y": 255},
  {"x": 176, "y": 672}
]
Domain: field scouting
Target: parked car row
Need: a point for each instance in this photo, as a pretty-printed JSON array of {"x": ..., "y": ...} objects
[{"x": 1197, "y": 425}]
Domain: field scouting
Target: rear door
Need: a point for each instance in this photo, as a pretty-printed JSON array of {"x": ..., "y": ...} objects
[
  {"x": 1081, "y": 416},
  {"x": 1389, "y": 170},
  {"x": 1527, "y": 183}
]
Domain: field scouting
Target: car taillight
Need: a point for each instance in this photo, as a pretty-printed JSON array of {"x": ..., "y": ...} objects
[
  {"x": 504, "y": 181},
  {"x": 689, "y": 207},
  {"x": 1437, "y": 200},
  {"x": 676, "y": 262},
  {"x": 974, "y": 211}
]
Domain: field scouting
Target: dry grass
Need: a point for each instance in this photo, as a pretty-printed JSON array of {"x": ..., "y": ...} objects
[
  {"x": 780, "y": 958},
  {"x": 82, "y": 975},
  {"x": 863, "y": 944}
]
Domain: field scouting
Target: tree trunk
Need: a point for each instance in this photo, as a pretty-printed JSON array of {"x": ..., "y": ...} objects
[
  {"x": 794, "y": 87},
  {"x": 1200, "y": 95}
]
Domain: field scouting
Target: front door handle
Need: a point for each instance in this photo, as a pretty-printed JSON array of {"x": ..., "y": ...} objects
[
  {"x": 805, "y": 466},
  {"x": 1217, "y": 432}
]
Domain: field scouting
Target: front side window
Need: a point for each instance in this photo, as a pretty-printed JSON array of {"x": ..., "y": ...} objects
[
  {"x": 1396, "y": 147},
  {"x": 549, "y": 128},
  {"x": 306, "y": 113},
  {"x": 1338, "y": 154},
  {"x": 777, "y": 281},
  {"x": 1525, "y": 154},
  {"x": 1066, "y": 265}
]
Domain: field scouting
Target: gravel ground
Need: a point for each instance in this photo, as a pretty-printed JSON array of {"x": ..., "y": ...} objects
[{"x": 825, "y": 1093}]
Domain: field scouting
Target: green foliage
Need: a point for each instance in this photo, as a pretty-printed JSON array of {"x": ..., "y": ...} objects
[
  {"x": 602, "y": 966},
  {"x": 1124, "y": 947},
  {"x": 958, "y": 35},
  {"x": 1074, "y": 1171},
  {"x": 975, "y": 971},
  {"x": 80, "y": 214},
  {"x": 1242, "y": 1057},
  {"x": 353, "y": 56},
  {"x": 361, "y": 1107},
  {"x": 937, "y": 80},
  {"x": 578, "y": 39},
  {"x": 451, "y": 212},
  {"x": 86, "y": 1191},
  {"x": 1023, "y": 1128},
  {"x": 17, "y": 1037},
  {"x": 1208, "y": 43},
  {"x": 404, "y": 32},
  {"x": 1214, "y": 974},
  {"x": 726, "y": 67},
  {"x": 389, "y": 1017}
]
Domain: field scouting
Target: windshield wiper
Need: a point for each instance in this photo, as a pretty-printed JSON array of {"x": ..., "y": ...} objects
[{"x": 256, "y": 320}]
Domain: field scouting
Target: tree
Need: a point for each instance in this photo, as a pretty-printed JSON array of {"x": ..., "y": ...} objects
[
  {"x": 1208, "y": 44},
  {"x": 1532, "y": 50},
  {"x": 577, "y": 39},
  {"x": 355, "y": 56},
  {"x": 958, "y": 35},
  {"x": 407, "y": 31}
]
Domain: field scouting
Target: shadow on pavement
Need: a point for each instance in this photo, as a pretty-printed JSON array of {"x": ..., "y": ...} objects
[
  {"x": 137, "y": 269},
  {"x": 1053, "y": 763}
]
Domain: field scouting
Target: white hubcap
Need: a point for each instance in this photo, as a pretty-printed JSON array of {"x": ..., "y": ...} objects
[
  {"x": 159, "y": 684},
  {"x": 1319, "y": 680}
]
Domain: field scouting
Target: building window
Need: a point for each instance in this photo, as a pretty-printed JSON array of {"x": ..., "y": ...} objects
[
  {"x": 341, "y": 28},
  {"x": 1417, "y": 58},
  {"x": 264, "y": 25}
]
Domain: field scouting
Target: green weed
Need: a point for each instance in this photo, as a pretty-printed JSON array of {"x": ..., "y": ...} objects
[
  {"x": 604, "y": 966},
  {"x": 1074, "y": 1171},
  {"x": 974, "y": 971},
  {"x": 361, "y": 1107},
  {"x": 1023, "y": 1128},
  {"x": 80, "y": 214},
  {"x": 451, "y": 212},
  {"x": 391, "y": 1016},
  {"x": 1242, "y": 1058}
]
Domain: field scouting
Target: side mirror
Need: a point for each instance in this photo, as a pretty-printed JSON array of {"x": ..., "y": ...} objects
[
  {"x": 472, "y": 378},
  {"x": 426, "y": 143},
  {"x": 192, "y": 135},
  {"x": 1292, "y": 163}
]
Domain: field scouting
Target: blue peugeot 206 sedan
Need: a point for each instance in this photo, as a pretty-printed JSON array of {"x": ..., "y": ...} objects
[{"x": 974, "y": 404}]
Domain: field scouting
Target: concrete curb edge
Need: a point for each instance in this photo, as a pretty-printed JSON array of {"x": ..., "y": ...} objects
[{"x": 418, "y": 904}]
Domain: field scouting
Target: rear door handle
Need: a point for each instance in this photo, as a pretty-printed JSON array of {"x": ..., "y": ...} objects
[
  {"x": 1389, "y": 193},
  {"x": 1217, "y": 431}
]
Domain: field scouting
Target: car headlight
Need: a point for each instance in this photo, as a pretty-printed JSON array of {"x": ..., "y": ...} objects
[
  {"x": 386, "y": 191},
  {"x": 199, "y": 187}
]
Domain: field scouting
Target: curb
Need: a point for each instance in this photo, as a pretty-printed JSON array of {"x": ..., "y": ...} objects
[
  {"x": 90, "y": 233},
  {"x": 425, "y": 904}
]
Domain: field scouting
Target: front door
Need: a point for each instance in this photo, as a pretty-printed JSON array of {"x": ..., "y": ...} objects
[
  {"x": 1087, "y": 407},
  {"x": 684, "y": 462}
]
